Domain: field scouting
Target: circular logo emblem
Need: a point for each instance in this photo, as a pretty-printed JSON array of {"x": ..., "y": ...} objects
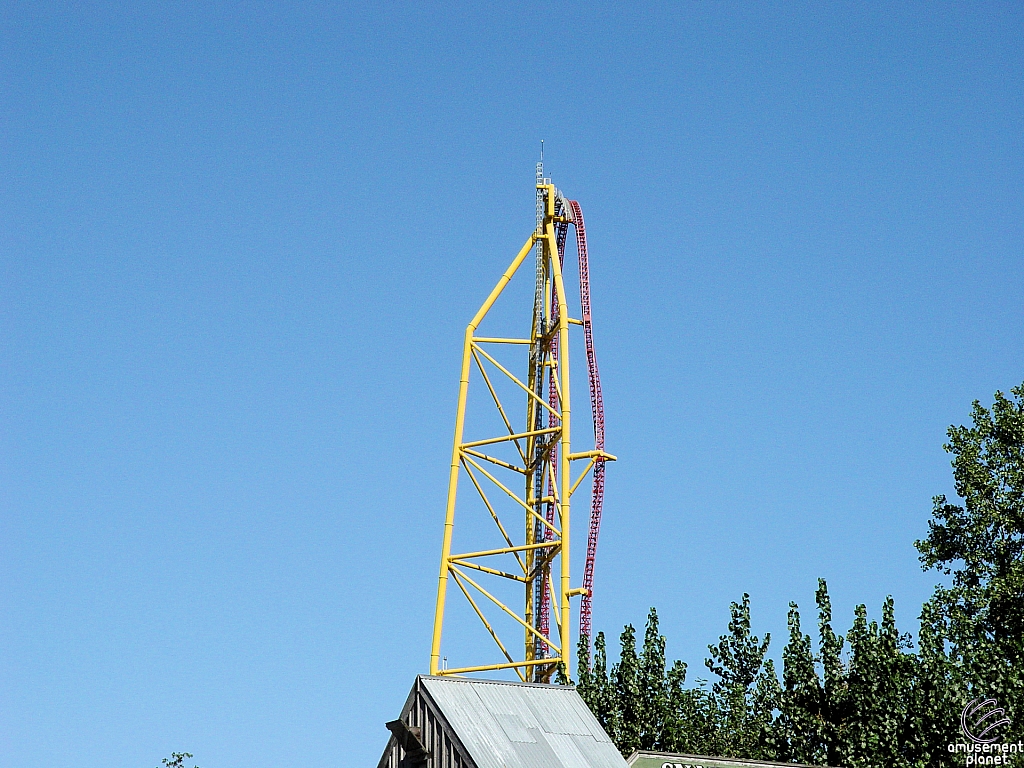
[{"x": 980, "y": 718}]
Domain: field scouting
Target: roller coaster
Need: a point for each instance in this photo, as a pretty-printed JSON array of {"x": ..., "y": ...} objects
[{"x": 536, "y": 556}]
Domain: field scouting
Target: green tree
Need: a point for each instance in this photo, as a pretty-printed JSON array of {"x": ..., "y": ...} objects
[
  {"x": 769, "y": 742},
  {"x": 881, "y": 681},
  {"x": 800, "y": 718},
  {"x": 834, "y": 705},
  {"x": 584, "y": 675},
  {"x": 980, "y": 543},
  {"x": 678, "y": 714},
  {"x": 877, "y": 704},
  {"x": 884, "y": 706},
  {"x": 602, "y": 697},
  {"x": 177, "y": 760},
  {"x": 652, "y": 685},
  {"x": 747, "y": 690},
  {"x": 562, "y": 675},
  {"x": 629, "y": 704},
  {"x": 936, "y": 696}
]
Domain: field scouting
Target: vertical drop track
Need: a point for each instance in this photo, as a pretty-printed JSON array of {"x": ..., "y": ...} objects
[{"x": 573, "y": 214}]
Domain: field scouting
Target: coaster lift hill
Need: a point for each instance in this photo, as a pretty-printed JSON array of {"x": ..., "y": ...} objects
[{"x": 540, "y": 454}]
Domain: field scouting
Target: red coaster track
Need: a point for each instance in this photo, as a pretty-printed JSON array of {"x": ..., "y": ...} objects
[
  {"x": 597, "y": 407},
  {"x": 574, "y": 215}
]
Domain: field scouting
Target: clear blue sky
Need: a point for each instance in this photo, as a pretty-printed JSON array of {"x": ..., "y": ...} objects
[{"x": 239, "y": 244}]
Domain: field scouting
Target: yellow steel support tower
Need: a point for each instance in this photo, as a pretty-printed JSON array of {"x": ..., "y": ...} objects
[{"x": 539, "y": 452}]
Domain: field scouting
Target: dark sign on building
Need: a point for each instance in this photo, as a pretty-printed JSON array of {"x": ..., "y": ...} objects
[{"x": 668, "y": 760}]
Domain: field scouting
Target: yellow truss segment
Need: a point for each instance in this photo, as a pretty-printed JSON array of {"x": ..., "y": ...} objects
[
  {"x": 517, "y": 436},
  {"x": 545, "y": 555},
  {"x": 499, "y": 462},
  {"x": 525, "y": 388},
  {"x": 495, "y": 667},
  {"x": 497, "y": 404},
  {"x": 459, "y": 574},
  {"x": 504, "y": 550},
  {"x": 486, "y": 623},
  {"x": 494, "y": 516},
  {"x": 529, "y": 510}
]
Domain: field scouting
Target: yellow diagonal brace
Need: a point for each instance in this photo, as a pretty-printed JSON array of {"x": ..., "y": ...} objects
[
  {"x": 493, "y": 460},
  {"x": 504, "y": 438},
  {"x": 522, "y": 503},
  {"x": 543, "y": 452},
  {"x": 487, "y": 624},
  {"x": 507, "y": 610},
  {"x": 497, "y": 402},
  {"x": 525, "y": 388},
  {"x": 485, "y": 569},
  {"x": 540, "y": 565},
  {"x": 582, "y": 475},
  {"x": 554, "y": 604},
  {"x": 494, "y": 515}
]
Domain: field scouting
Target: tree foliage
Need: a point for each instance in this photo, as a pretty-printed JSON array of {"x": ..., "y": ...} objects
[
  {"x": 863, "y": 699},
  {"x": 177, "y": 760},
  {"x": 867, "y": 698},
  {"x": 980, "y": 544}
]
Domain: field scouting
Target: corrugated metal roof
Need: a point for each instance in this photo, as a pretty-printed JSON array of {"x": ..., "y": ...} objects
[{"x": 517, "y": 725}]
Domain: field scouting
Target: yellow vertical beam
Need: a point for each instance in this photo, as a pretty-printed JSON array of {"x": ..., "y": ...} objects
[
  {"x": 564, "y": 442},
  {"x": 544, "y": 674},
  {"x": 453, "y": 475}
]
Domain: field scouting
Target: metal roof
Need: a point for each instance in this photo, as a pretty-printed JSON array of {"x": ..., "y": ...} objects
[{"x": 522, "y": 725}]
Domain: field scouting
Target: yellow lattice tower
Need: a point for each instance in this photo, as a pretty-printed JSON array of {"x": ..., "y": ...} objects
[{"x": 542, "y": 459}]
